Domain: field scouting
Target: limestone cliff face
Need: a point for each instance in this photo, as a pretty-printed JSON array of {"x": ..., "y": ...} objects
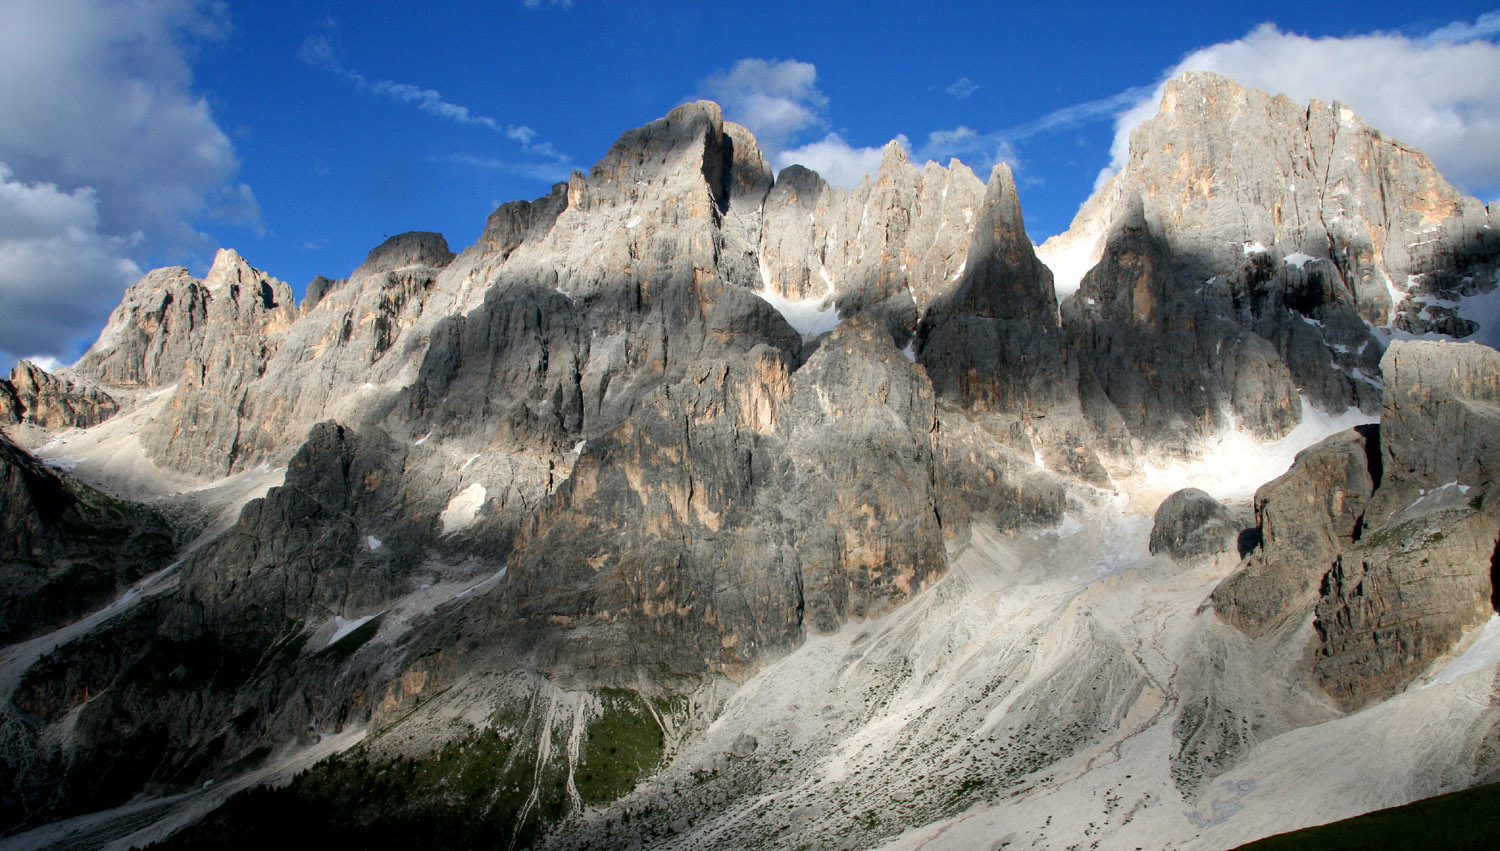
[
  {"x": 36, "y": 397},
  {"x": 1268, "y": 222},
  {"x": 1386, "y": 536},
  {"x": 1423, "y": 571},
  {"x": 66, "y": 548},
  {"x": 607, "y": 438},
  {"x": 1305, "y": 518}
]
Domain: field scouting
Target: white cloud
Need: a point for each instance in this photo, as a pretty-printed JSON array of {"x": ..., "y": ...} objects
[
  {"x": 319, "y": 50},
  {"x": 110, "y": 158},
  {"x": 962, "y": 88},
  {"x": 775, "y": 99},
  {"x": 838, "y": 162},
  {"x": 550, "y": 172},
  {"x": 537, "y": 4},
  {"x": 1436, "y": 92},
  {"x": 1485, "y": 26},
  {"x": 59, "y": 275},
  {"x": 946, "y": 143}
]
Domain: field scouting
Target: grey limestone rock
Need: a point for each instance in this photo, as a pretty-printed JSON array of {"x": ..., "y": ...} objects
[
  {"x": 1191, "y": 525},
  {"x": 1423, "y": 571},
  {"x": 1280, "y": 221},
  {"x": 1304, "y": 518},
  {"x": 66, "y": 548},
  {"x": 992, "y": 342},
  {"x": 34, "y": 396},
  {"x": 1169, "y": 364}
]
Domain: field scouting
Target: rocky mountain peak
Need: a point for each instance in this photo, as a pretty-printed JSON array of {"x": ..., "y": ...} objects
[
  {"x": 659, "y": 425},
  {"x": 229, "y": 268},
  {"x": 414, "y": 248}
]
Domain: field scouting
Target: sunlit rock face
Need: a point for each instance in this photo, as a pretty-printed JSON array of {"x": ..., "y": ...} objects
[{"x": 695, "y": 505}]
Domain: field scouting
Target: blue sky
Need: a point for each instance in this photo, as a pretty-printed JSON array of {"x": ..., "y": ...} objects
[{"x": 147, "y": 133}]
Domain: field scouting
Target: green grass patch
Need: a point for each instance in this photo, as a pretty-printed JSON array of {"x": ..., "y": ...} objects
[
  {"x": 476, "y": 791},
  {"x": 619, "y": 747}
]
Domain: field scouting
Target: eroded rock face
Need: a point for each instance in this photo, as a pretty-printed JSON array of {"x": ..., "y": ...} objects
[
  {"x": 150, "y": 336},
  {"x": 991, "y": 342},
  {"x": 1247, "y": 219},
  {"x": 744, "y": 470},
  {"x": 36, "y": 397},
  {"x": 1304, "y": 518},
  {"x": 1169, "y": 362},
  {"x": 1423, "y": 570},
  {"x": 66, "y": 548}
]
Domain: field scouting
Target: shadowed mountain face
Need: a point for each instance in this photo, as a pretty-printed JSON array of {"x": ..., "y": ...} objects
[{"x": 537, "y": 526}]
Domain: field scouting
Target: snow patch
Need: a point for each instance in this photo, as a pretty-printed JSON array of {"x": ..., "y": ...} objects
[
  {"x": 343, "y": 627},
  {"x": 372, "y": 542},
  {"x": 422, "y": 439},
  {"x": 484, "y": 584},
  {"x": 462, "y": 509},
  {"x": 1234, "y": 464},
  {"x": 64, "y": 463},
  {"x": 1297, "y": 259},
  {"x": 1253, "y": 248},
  {"x": 1484, "y": 652},
  {"x": 910, "y": 351},
  {"x": 1482, "y": 309},
  {"x": 1069, "y": 261},
  {"x": 809, "y": 317},
  {"x": 635, "y": 220}
]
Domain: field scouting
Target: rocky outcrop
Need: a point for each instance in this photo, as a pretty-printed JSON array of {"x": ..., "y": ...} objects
[
  {"x": 1191, "y": 525},
  {"x": 1304, "y": 519},
  {"x": 991, "y": 342},
  {"x": 744, "y": 469},
  {"x": 65, "y": 548},
  {"x": 1423, "y": 571},
  {"x": 150, "y": 336},
  {"x": 1388, "y": 534},
  {"x": 203, "y": 429},
  {"x": 36, "y": 397}
]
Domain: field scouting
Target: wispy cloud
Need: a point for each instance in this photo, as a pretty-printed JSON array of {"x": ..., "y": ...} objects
[
  {"x": 986, "y": 149},
  {"x": 962, "y": 88},
  {"x": 551, "y": 172},
  {"x": 1458, "y": 32},
  {"x": 537, "y": 4},
  {"x": 318, "y": 50}
]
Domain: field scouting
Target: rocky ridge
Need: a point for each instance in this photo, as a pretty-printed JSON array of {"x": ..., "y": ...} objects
[{"x": 682, "y": 417}]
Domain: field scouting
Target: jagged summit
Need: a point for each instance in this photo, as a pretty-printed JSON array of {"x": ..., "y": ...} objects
[{"x": 769, "y": 513}]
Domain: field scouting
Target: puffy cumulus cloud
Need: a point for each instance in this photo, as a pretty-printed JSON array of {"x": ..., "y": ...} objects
[
  {"x": 59, "y": 275},
  {"x": 109, "y": 158},
  {"x": 775, "y": 99},
  {"x": 837, "y": 161},
  {"x": 1437, "y": 92}
]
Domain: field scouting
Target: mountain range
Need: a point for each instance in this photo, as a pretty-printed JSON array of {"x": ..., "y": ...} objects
[{"x": 700, "y": 506}]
